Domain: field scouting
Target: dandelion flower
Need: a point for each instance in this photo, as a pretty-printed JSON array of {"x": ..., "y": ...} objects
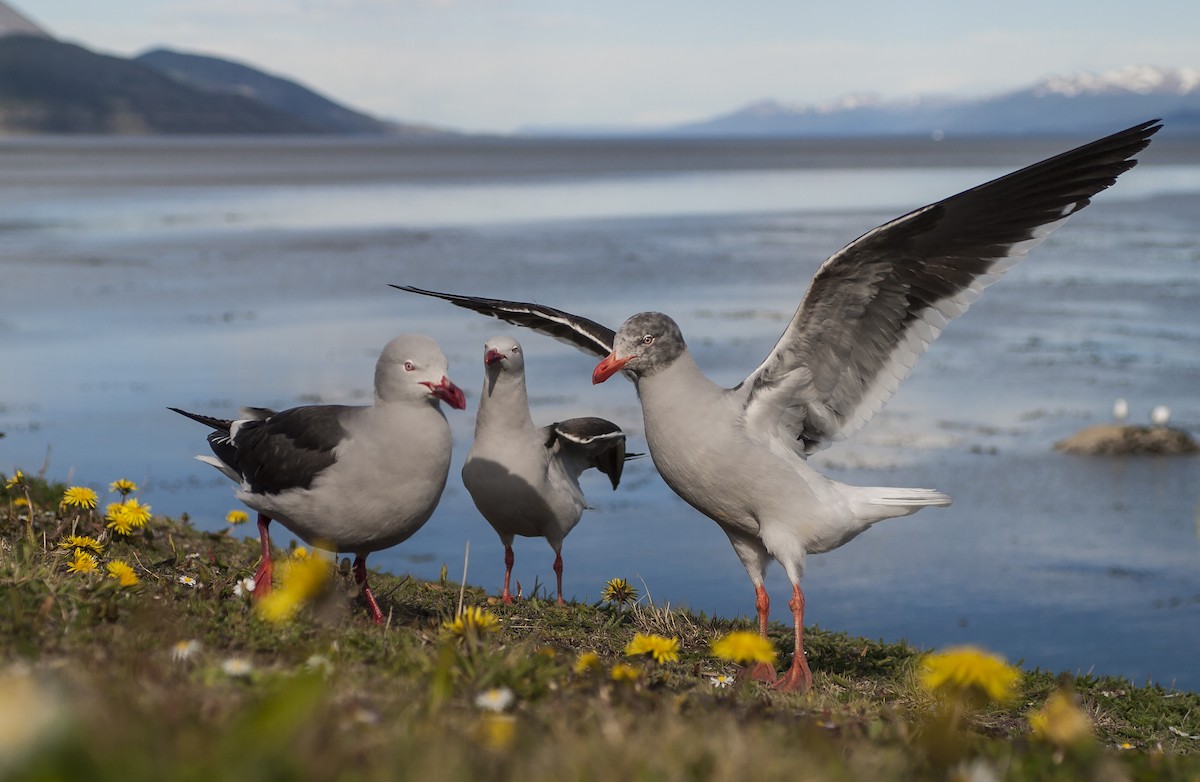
[
  {"x": 123, "y": 573},
  {"x": 188, "y": 581},
  {"x": 744, "y": 647},
  {"x": 21, "y": 502},
  {"x": 300, "y": 553},
  {"x": 965, "y": 670},
  {"x": 237, "y": 517},
  {"x": 622, "y": 672},
  {"x": 617, "y": 590},
  {"x": 83, "y": 562},
  {"x": 721, "y": 681},
  {"x": 123, "y": 485},
  {"x": 237, "y": 667},
  {"x": 301, "y": 580},
  {"x": 16, "y": 481},
  {"x": 183, "y": 651},
  {"x": 1061, "y": 722},
  {"x": 472, "y": 621},
  {"x": 79, "y": 497},
  {"x": 244, "y": 587},
  {"x": 83, "y": 543},
  {"x": 663, "y": 650},
  {"x": 497, "y": 731},
  {"x": 136, "y": 513},
  {"x": 496, "y": 699},
  {"x": 117, "y": 520},
  {"x": 587, "y": 662}
]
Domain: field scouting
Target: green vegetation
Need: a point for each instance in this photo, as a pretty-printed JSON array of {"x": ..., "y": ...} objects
[{"x": 178, "y": 677}]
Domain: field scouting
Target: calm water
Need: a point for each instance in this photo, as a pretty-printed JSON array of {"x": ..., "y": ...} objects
[{"x": 209, "y": 274}]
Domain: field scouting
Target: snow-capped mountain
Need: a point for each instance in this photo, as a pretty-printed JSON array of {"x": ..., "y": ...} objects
[{"x": 1077, "y": 103}]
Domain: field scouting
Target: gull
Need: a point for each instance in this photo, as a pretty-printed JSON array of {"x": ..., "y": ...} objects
[
  {"x": 1121, "y": 410},
  {"x": 524, "y": 478},
  {"x": 1160, "y": 415},
  {"x": 346, "y": 478},
  {"x": 739, "y": 455}
]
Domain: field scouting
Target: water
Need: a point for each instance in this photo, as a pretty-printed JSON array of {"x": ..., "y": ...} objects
[{"x": 208, "y": 274}]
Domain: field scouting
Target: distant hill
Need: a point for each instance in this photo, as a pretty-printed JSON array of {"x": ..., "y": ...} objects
[
  {"x": 47, "y": 86},
  {"x": 13, "y": 22},
  {"x": 1078, "y": 104},
  {"x": 215, "y": 75}
]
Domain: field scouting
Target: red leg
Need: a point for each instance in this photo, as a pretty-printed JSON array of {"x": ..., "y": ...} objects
[
  {"x": 509, "y": 559},
  {"x": 360, "y": 578},
  {"x": 558, "y": 574},
  {"x": 798, "y": 678},
  {"x": 762, "y": 672},
  {"x": 266, "y": 570}
]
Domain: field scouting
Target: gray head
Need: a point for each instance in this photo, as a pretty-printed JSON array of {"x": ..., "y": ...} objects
[
  {"x": 413, "y": 367},
  {"x": 502, "y": 355},
  {"x": 645, "y": 344}
]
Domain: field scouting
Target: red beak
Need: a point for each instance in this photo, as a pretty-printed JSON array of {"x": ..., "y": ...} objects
[
  {"x": 609, "y": 367},
  {"x": 448, "y": 393},
  {"x": 492, "y": 356}
]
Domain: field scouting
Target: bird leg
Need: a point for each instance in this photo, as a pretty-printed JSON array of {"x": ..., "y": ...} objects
[
  {"x": 509, "y": 559},
  {"x": 266, "y": 570},
  {"x": 360, "y": 578},
  {"x": 761, "y": 672},
  {"x": 798, "y": 678},
  {"x": 558, "y": 574}
]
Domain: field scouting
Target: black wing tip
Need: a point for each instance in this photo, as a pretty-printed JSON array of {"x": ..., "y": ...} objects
[{"x": 220, "y": 424}]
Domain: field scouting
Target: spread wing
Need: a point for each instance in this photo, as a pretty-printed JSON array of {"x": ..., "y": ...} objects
[
  {"x": 587, "y": 335},
  {"x": 591, "y": 442},
  {"x": 876, "y": 305}
]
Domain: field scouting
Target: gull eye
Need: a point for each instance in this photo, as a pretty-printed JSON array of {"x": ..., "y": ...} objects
[
  {"x": 516, "y": 350},
  {"x": 648, "y": 339},
  {"x": 409, "y": 366}
]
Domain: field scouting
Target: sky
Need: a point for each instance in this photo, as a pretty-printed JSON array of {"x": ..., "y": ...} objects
[{"x": 503, "y": 65}]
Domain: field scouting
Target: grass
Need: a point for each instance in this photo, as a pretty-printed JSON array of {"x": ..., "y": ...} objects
[{"x": 99, "y": 685}]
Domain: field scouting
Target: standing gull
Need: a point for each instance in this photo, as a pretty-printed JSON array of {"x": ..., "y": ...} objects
[
  {"x": 524, "y": 478},
  {"x": 356, "y": 479},
  {"x": 739, "y": 455}
]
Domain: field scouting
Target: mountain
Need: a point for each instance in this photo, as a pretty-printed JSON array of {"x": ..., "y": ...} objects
[
  {"x": 1077, "y": 104},
  {"x": 215, "y": 75},
  {"x": 13, "y": 22},
  {"x": 47, "y": 86}
]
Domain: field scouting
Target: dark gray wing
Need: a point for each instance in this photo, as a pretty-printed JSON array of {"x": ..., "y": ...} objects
[
  {"x": 593, "y": 442},
  {"x": 875, "y": 306},
  {"x": 587, "y": 335},
  {"x": 280, "y": 451}
]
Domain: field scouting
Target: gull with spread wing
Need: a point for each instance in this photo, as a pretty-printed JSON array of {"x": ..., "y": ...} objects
[{"x": 739, "y": 455}]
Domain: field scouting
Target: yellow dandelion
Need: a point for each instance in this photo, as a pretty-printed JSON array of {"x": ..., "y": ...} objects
[
  {"x": 472, "y": 622},
  {"x": 123, "y": 573},
  {"x": 136, "y": 513},
  {"x": 83, "y": 543},
  {"x": 83, "y": 563},
  {"x": 300, "y": 553},
  {"x": 237, "y": 517},
  {"x": 969, "y": 670},
  {"x": 300, "y": 582},
  {"x": 118, "y": 520},
  {"x": 20, "y": 502},
  {"x": 623, "y": 672},
  {"x": 497, "y": 731},
  {"x": 617, "y": 590},
  {"x": 663, "y": 650},
  {"x": 1061, "y": 722},
  {"x": 744, "y": 647},
  {"x": 123, "y": 485},
  {"x": 79, "y": 497},
  {"x": 16, "y": 481},
  {"x": 587, "y": 663}
]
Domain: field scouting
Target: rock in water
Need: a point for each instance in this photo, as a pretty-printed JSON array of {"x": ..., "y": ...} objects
[{"x": 1121, "y": 440}]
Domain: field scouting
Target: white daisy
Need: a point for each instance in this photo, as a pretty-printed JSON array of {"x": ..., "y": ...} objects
[
  {"x": 721, "y": 681},
  {"x": 183, "y": 651},
  {"x": 237, "y": 667},
  {"x": 496, "y": 699},
  {"x": 244, "y": 586},
  {"x": 188, "y": 581}
]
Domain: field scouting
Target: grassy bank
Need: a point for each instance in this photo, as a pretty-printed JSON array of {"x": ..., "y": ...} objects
[{"x": 178, "y": 676}]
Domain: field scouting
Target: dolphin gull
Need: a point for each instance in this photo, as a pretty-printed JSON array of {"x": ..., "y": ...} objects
[
  {"x": 356, "y": 479},
  {"x": 738, "y": 455},
  {"x": 524, "y": 478}
]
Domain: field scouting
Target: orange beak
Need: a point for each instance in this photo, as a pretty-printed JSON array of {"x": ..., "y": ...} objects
[{"x": 609, "y": 367}]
